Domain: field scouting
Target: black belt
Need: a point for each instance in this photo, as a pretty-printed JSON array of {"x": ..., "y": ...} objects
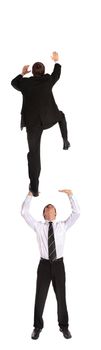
[{"x": 50, "y": 261}]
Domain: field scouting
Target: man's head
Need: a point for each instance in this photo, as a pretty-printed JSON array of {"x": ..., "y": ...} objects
[
  {"x": 38, "y": 69},
  {"x": 49, "y": 212}
]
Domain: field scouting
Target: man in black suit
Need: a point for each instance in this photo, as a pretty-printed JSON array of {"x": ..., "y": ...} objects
[{"x": 39, "y": 112}]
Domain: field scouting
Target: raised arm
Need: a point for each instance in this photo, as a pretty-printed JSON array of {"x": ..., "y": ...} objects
[
  {"x": 18, "y": 81},
  {"x": 25, "y": 212},
  {"x": 75, "y": 209},
  {"x": 57, "y": 68}
]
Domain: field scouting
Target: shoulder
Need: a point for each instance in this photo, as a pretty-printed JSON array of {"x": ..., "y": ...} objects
[
  {"x": 41, "y": 223},
  {"x": 46, "y": 77}
]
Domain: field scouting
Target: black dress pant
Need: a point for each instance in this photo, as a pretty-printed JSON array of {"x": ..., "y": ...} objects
[
  {"x": 33, "y": 156},
  {"x": 50, "y": 271},
  {"x": 63, "y": 126},
  {"x": 34, "y": 138}
]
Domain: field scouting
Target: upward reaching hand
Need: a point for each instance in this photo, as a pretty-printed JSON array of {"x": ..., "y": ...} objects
[
  {"x": 68, "y": 192},
  {"x": 55, "y": 56},
  {"x": 25, "y": 69}
]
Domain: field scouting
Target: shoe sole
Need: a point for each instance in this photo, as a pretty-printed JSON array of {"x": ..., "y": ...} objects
[
  {"x": 67, "y": 337},
  {"x": 66, "y": 148}
]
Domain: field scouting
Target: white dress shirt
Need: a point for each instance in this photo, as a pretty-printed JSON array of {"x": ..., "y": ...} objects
[{"x": 41, "y": 228}]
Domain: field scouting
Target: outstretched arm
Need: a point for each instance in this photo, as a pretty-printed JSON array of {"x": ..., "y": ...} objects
[
  {"x": 75, "y": 209},
  {"x": 57, "y": 68}
]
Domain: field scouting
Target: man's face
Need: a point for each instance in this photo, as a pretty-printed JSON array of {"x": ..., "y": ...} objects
[{"x": 49, "y": 212}]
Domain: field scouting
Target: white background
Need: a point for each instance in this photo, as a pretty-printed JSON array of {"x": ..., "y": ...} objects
[{"x": 30, "y": 31}]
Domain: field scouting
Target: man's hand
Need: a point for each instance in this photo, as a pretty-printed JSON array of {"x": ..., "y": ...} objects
[
  {"x": 30, "y": 193},
  {"x": 55, "y": 56},
  {"x": 25, "y": 70},
  {"x": 68, "y": 192}
]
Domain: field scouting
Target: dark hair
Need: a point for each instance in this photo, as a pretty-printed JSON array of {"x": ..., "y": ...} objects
[
  {"x": 38, "y": 69},
  {"x": 47, "y": 207}
]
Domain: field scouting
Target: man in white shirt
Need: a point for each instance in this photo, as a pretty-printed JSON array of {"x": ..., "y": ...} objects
[{"x": 51, "y": 239}]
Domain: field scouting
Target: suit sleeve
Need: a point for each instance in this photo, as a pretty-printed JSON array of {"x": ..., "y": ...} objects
[
  {"x": 56, "y": 73},
  {"x": 19, "y": 82}
]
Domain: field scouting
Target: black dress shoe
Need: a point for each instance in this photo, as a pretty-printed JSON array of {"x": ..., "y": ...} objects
[
  {"x": 66, "y": 144},
  {"x": 35, "y": 194},
  {"x": 66, "y": 333},
  {"x": 35, "y": 334}
]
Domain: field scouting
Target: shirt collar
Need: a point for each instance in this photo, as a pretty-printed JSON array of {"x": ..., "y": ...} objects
[{"x": 53, "y": 222}]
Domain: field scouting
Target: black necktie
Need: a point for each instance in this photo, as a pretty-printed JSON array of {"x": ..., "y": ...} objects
[{"x": 51, "y": 243}]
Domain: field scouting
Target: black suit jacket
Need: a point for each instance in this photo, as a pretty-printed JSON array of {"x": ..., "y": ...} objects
[{"x": 39, "y": 106}]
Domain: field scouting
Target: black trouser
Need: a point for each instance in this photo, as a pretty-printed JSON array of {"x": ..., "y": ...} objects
[
  {"x": 46, "y": 273},
  {"x": 63, "y": 126},
  {"x": 34, "y": 138},
  {"x": 33, "y": 156}
]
